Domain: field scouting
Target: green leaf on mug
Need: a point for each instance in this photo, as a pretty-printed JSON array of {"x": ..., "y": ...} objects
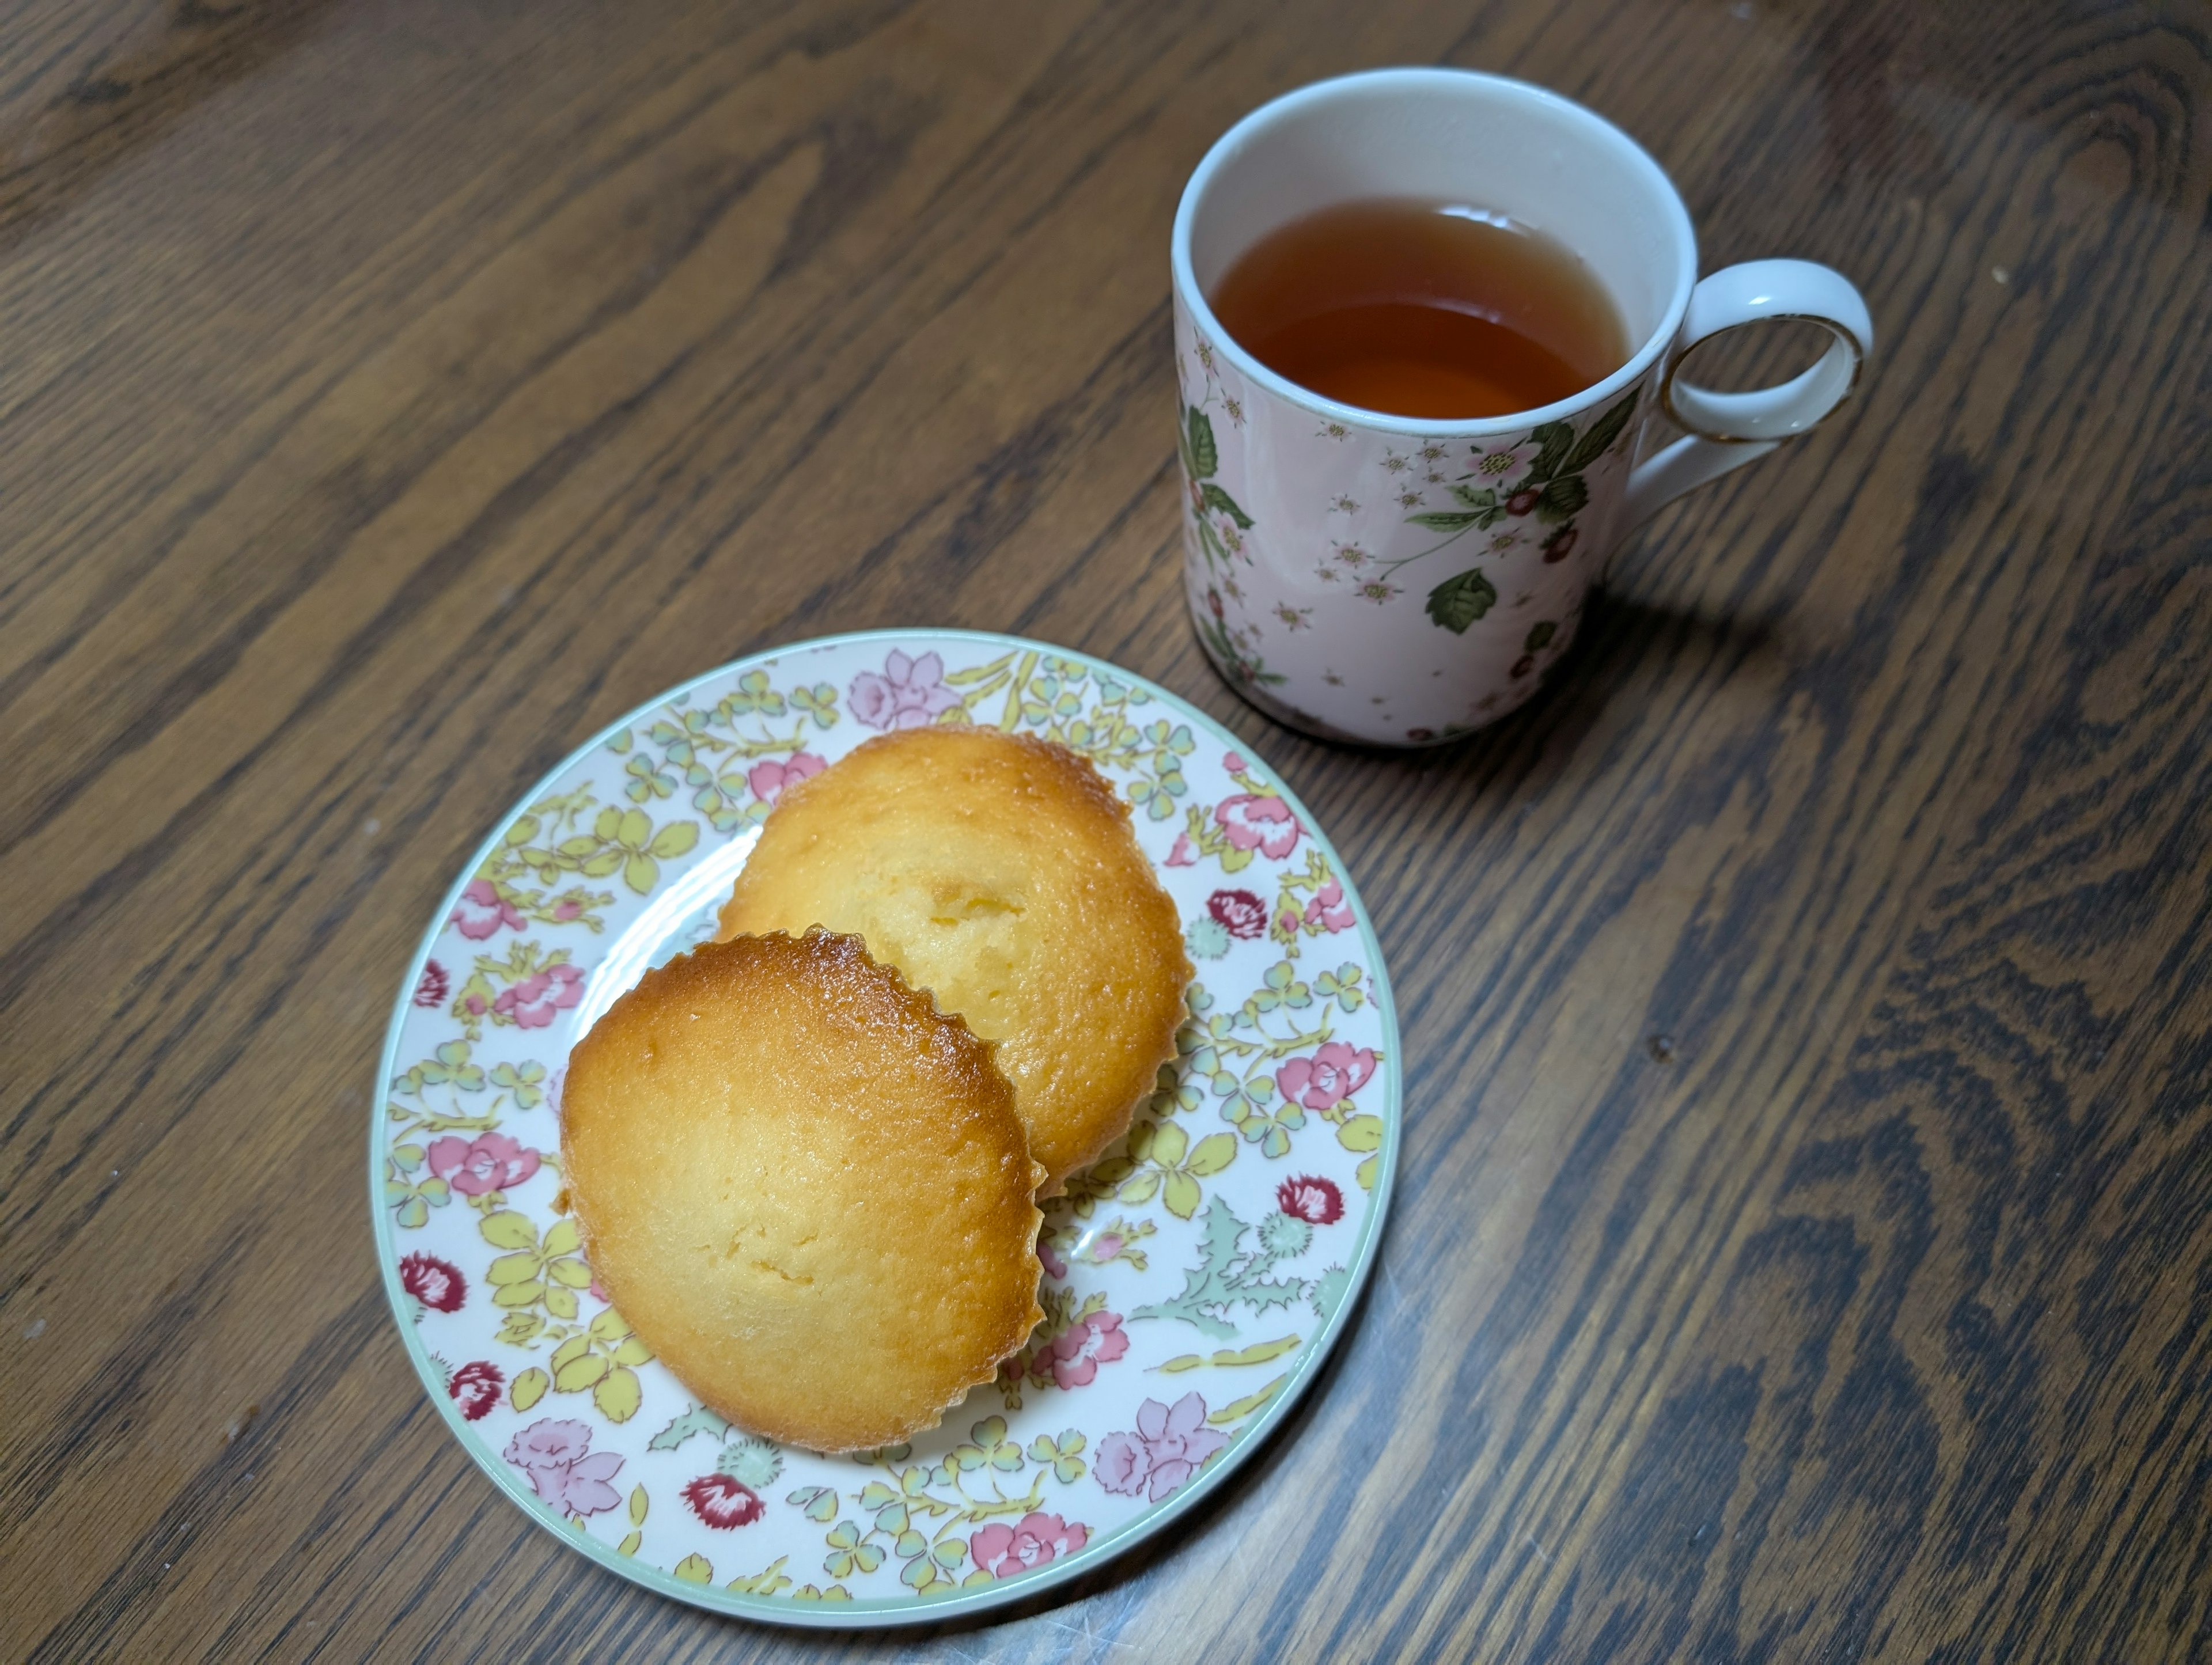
[
  {"x": 1557, "y": 439},
  {"x": 1205, "y": 457},
  {"x": 1216, "y": 498},
  {"x": 1540, "y": 637},
  {"x": 1602, "y": 434},
  {"x": 1446, "y": 520},
  {"x": 1458, "y": 602},
  {"x": 1563, "y": 499},
  {"x": 1486, "y": 498}
]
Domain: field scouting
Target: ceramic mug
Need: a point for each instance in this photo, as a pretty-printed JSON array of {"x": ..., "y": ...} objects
[{"x": 1398, "y": 581}]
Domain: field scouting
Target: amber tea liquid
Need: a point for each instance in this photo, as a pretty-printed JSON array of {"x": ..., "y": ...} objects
[{"x": 1423, "y": 309}]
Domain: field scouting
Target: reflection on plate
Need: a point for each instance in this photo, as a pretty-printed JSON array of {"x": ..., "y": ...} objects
[{"x": 1195, "y": 1278}]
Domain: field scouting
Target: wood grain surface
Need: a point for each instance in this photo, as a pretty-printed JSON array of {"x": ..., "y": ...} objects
[{"x": 1804, "y": 1249}]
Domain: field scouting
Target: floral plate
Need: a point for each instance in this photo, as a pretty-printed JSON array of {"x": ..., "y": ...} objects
[{"x": 1195, "y": 1278}]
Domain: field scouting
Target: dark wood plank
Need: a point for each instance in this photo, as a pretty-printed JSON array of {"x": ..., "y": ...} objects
[{"x": 1804, "y": 1248}]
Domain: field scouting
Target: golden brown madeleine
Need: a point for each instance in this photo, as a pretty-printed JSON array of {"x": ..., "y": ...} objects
[
  {"x": 999, "y": 872},
  {"x": 804, "y": 1188}
]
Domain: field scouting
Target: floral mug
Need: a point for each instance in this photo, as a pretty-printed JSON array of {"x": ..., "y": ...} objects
[{"x": 1400, "y": 582}]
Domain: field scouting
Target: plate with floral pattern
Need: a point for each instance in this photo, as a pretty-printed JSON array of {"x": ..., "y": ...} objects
[{"x": 1195, "y": 1278}]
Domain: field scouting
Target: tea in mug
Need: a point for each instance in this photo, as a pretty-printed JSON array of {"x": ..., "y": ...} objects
[{"x": 1432, "y": 310}]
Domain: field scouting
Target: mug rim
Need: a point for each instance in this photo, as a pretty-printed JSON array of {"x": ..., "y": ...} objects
[{"x": 1275, "y": 109}]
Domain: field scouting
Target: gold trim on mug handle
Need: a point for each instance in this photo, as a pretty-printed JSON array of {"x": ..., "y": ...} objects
[{"x": 1727, "y": 431}]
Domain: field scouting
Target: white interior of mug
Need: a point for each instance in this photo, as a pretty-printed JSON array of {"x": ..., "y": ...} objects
[{"x": 1452, "y": 135}]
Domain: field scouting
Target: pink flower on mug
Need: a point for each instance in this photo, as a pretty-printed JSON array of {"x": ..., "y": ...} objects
[
  {"x": 481, "y": 910},
  {"x": 433, "y": 986},
  {"x": 533, "y": 1002},
  {"x": 1166, "y": 1449},
  {"x": 476, "y": 1389},
  {"x": 1032, "y": 1541},
  {"x": 1317, "y": 1201},
  {"x": 1239, "y": 912},
  {"x": 1559, "y": 545},
  {"x": 562, "y": 1468},
  {"x": 1503, "y": 465},
  {"x": 1083, "y": 1345},
  {"x": 1331, "y": 1075},
  {"x": 723, "y": 1503},
  {"x": 1251, "y": 821},
  {"x": 909, "y": 694},
  {"x": 438, "y": 1284},
  {"x": 489, "y": 1162},
  {"x": 768, "y": 777},
  {"x": 1328, "y": 911}
]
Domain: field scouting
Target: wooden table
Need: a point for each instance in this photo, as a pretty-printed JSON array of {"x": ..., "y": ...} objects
[{"x": 1803, "y": 1249}]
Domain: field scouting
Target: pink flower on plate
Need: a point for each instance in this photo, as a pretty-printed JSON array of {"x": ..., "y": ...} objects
[
  {"x": 476, "y": 1389},
  {"x": 723, "y": 1503},
  {"x": 909, "y": 693},
  {"x": 768, "y": 777},
  {"x": 1166, "y": 1450},
  {"x": 481, "y": 910},
  {"x": 1317, "y": 1201},
  {"x": 1183, "y": 856},
  {"x": 1083, "y": 1345},
  {"x": 1328, "y": 910},
  {"x": 1050, "y": 1257},
  {"x": 438, "y": 1284},
  {"x": 432, "y": 987},
  {"x": 1251, "y": 821},
  {"x": 1234, "y": 763},
  {"x": 563, "y": 1470},
  {"x": 1331, "y": 1075},
  {"x": 490, "y": 1161},
  {"x": 533, "y": 1002},
  {"x": 1035, "y": 1539}
]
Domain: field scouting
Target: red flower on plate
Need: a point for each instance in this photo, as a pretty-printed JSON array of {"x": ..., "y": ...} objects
[
  {"x": 724, "y": 1503},
  {"x": 438, "y": 1284},
  {"x": 768, "y": 778},
  {"x": 489, "y": 1162},
  {"x": 1032, "y": 1541},
  {"x": 533, "y": 1002},
  {"x": 432, "y": 987},
  {"x": 476, "y": 1389},
  {"x": 1332, "y": 1074},
  {"x": 481, "y": 910},
  {"x": 1251, "y": 820},
  {"x": 1327, "y": 911},
  {"x": 1317, "y": 1201},
  {"x": 1083, "y": 1345},
  {"x": 1239, "y": 912}
]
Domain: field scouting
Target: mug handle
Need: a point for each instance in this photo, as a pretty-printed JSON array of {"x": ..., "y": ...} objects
[{"x": 1727, "y": 431}]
